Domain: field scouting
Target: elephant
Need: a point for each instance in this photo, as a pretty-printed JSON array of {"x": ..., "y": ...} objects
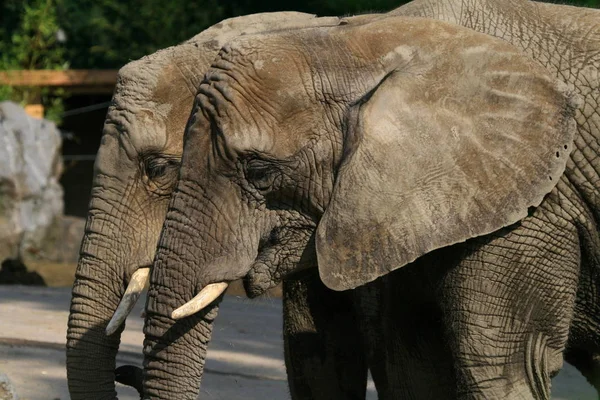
[
  {"x": 406, "y": 159},
  {"x": 135, "y": 172}
]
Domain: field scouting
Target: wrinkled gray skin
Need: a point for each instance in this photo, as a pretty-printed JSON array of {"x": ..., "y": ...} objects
[
  {"x": 414, "y": 144},
  {"x": 135, "y": 172},
  {"x": 566, "y": 41}
]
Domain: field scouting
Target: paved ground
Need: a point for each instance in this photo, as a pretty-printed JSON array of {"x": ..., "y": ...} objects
[{"x": 245, "y": 360}]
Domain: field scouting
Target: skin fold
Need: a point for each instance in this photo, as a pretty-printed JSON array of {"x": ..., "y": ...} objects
[
  {"x": 135, "y": 173},
  {"x": 318, "y": 165}
]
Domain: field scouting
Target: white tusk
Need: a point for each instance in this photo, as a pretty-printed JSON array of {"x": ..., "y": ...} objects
[
  {"x": 201, "y": 300},
  {"x": 139, "y": 279}
]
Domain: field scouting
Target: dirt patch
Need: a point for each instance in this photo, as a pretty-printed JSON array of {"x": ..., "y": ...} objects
[
  {"x": 38, "y": 273},
  {"x": 14, "y": 272}
]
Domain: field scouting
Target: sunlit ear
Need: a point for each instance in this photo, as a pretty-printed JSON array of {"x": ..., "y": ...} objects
[{"x": 446, "y": 148}]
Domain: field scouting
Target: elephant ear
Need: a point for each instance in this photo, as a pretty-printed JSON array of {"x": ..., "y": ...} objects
[{"x": 454, "y": 143}]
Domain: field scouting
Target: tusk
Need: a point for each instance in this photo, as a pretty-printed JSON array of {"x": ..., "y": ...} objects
[
  {"x": 135, "y": 287},
  {"x": 202, "y": 299}
]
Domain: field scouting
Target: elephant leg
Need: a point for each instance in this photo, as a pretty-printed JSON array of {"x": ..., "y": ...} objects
[
  {"x": 401, "y": 327},
  {"x": 583, "y": 349},
  {"x": 323, "y": 351},
  {"x": 508, "y": 304}
]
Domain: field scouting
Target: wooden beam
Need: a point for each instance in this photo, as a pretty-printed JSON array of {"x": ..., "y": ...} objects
[{"x": 67, "y": 78}]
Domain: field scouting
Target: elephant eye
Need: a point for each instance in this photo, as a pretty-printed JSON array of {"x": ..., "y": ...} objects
[
  {"x": 159, "y": 171},
  {"x": 155, "y": 169},
  {"x": 259, "y": 173}
]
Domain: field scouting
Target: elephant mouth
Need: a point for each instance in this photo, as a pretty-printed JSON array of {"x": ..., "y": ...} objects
[
  {"x": 258, "y": 280},
  {"x": 280, "y": 259},
  {"x": 273, "y": 263}
]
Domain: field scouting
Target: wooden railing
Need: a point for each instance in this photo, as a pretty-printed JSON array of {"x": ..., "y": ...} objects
[
  {"x": 76, "y": 80},
  {"x": 83, "y": 81}
]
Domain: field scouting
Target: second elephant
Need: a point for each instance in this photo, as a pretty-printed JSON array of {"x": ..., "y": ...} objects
[{"x": 296, "y": 328}]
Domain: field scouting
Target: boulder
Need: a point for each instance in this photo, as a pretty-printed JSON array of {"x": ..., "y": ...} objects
[
  {"x": 7, "y": 390},
  {"x": 31, "y": 198},
  {"x": 62, "y": 242}
]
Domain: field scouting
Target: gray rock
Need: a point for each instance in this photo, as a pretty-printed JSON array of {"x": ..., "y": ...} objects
[
  {"x": 7, "y": 390},
  {"x": 63, "y": 241},
  {"x": 31, "y": 198}
]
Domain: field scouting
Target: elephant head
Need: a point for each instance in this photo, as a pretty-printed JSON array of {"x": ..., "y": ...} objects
[
  {"x": 135, "y": 172},
  {"x": 360, "y": 147}
]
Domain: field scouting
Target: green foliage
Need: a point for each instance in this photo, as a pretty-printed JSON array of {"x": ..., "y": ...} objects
[
  {"x": 110, "y": 33},
  {"x": 29, "y": 40},
  {"x": 53, "y": 104},
  {"x": 319, "y": 7},
  {"x": 577, "y": 3}
]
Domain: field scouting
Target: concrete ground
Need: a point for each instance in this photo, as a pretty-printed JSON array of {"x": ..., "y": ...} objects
[{"x": 245, "y": 359}]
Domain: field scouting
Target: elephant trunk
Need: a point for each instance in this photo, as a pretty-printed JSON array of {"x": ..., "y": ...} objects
[
  {"x": 175, "y": 353},
  {"x": 207, "y": 240},
  {"x": 176, "y": 343},
  {"x": 174, "y": 350},
  {"x": 96, "y": 293}
]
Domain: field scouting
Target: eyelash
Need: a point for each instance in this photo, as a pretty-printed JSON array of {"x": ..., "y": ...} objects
[
  {"x": 159, "y": 171},
  {"x": 259, "y": 174},
  {"x": 256, "y": 173},
  {"x": 156, "y": 168}
]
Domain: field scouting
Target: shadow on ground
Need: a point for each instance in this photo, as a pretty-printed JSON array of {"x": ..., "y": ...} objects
[
  {"x": 245, "y": 359},
  {"x": 14, "y": 272}
]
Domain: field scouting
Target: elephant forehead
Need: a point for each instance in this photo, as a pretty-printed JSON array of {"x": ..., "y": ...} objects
[
  {"x": 267, "y": 63},
  {"x": 260, "y": 101},
  {"x": 247, "y": 127},
  {"x": 154, "y": 95},
  {"x": 140, "y": 123}
]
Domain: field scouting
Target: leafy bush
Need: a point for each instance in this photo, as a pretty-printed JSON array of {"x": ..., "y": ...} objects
[
  {"x": 31, "y": 40},
  {"x": 109, "y": 33}
]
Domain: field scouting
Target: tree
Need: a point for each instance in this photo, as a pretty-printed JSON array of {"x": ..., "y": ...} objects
[{"x": 31, "y": 39}]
